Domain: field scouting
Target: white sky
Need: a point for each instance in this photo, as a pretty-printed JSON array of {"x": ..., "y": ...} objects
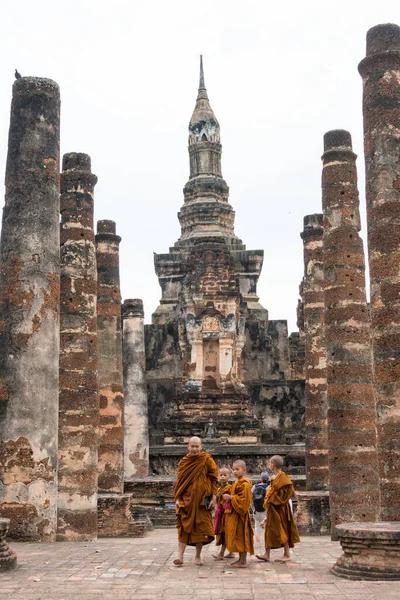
[{"x": 279, "y": 75}]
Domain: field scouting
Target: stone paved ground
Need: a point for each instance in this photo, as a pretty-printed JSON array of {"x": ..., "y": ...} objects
[{"x": 142, "y": 569}]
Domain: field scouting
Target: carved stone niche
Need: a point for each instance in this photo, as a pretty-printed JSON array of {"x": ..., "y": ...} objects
[{"x": 210, "y": 324}]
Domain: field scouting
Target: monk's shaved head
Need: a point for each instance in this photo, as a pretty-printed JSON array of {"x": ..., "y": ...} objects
[
  {"x": 277, "y": 461},
  {"x": 225, "y": 470},
  {"x": 195, "y": 440},
  {"x": 195, "y": 446},
  {"x": 240, "y": 463}
]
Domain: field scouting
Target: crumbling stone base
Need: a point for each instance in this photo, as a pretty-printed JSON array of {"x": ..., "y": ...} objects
[
  {"x": 115, "y": 517},
  {"x": 8, "y": 558},
  {"x": 371, "y": 551},
  {"x": 313, "y": 512}
]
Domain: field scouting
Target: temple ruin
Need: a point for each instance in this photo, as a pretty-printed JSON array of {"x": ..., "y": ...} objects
[
  {"x": 96, "y": 407},
  {"x": 217, "y": 367}
]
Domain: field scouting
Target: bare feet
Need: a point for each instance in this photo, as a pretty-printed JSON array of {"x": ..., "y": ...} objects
[
  {"x": 230, "y": 555},
  {"x": 238, "y": 565},
  {"x": 218, "y": 557},
  {"x": 283, "y": 559},
  {"x": 263, "y": 557},
  {"x": 198, "y": 561},
  {"x": 178, "y": 562}
]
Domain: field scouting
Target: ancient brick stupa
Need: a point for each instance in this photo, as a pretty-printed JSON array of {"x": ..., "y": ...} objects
[{"x": 216, "y": 366}]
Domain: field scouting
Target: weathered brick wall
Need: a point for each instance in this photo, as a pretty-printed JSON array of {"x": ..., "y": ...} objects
[
  {"x": 353, "y": 465},
  {"x": 381, "y": 106},
  {"x": 136, "y": 423},
  {"x": 279, "y": 411},
  {"x": 115, "y": 517},
  {"x": 78, "y": 399},
  {"x": 266, "y": 351},
  {"x": 316, "y": 405},
  {"x": 297, "y": 354},
  {"x": 29, "y": 312},
  {"x": 313, "y": 512},
  {"x": 109, "y": 331}
]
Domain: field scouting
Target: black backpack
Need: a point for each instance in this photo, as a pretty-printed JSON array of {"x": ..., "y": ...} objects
[{"x": 259, "y": 492}]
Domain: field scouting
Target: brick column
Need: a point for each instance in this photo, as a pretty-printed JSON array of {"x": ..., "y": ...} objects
[
  {"x": 380, "y": 71},
  {"x": 354, "y": 487},
  {"x": 317, "y": 473},
  {"x": 135, "y": 390},
  {"x": 29, "y": 312},
  {"x": 111, "y": 443},
  {"x": 79, "y": 399}
]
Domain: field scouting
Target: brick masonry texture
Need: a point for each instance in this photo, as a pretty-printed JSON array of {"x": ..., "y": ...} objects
[
  {"x": 315, "y": 397},
  {"x": 370, "y": 551},
  {"x": 354, "y": 485},
  {"x": 115, "y": 517},
  {"x": 380, "y": 71},
  {"x": 79, "y": 400},
  {"x": 109, "y": 324},
  {"x": 29, "y": 312}
]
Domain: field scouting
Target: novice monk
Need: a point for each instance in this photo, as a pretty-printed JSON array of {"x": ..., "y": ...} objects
[
  {"x": 195, "y": 497},
  {"x": 238, "y": 529},
  {"x": 219, "y": 517},
  {"x": 280, "y": 527}
]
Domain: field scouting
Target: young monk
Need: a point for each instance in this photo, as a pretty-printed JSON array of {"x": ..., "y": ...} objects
[
  {"x": 280, "y": 527},
  {"x": 195, "y": 496},
  {"x": 219, "y": 516},
  {"x": 238, "y": 529}
]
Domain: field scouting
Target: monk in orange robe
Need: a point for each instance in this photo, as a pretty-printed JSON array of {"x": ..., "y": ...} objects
[
  {"x": 219, "y": 516},
  {"x": 195, "y": 497},
  {"x": 238, "y": 529},
  {"x": 280, "y": 526}
]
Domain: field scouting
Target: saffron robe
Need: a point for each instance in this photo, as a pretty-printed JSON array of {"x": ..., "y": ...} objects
[
  {"x": 238, "y": 529},
  {"x": 219, "y": 517},
  {"x": 197, "y": 478},
  {"x": 280, "y": 526}
]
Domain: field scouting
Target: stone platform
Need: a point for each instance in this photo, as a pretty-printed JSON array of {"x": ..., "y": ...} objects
[
  {"x": 8, "y": 558},
  {"x": 142, "y": 569},
  {"x": 164, "y": 458},
  {"x": 371, "y": 551},
  {"x": 152, "y": 497}
]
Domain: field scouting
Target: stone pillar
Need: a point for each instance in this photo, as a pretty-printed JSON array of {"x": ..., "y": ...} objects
[
  {"x": 111, "y": 443},
  {"x": 29, "y": 312},
  {"x": 136, "y": 447},
  {"x": 380, "y": 71},
  {"x": 79, "y": 398},
  {"x": 354, "y": 486},
  {"x": 316, "y": 407}
]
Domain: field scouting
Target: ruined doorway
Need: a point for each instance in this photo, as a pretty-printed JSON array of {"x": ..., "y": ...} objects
[{"x": 211, "y": 365}]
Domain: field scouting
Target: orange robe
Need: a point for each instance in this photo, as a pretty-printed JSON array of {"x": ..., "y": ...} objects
[
  {"x": 197, "y": 478},
  {"x": 280, "y": 526},
  {"x": 238, "y": 530},
  {"x": 220, "y": 535}
]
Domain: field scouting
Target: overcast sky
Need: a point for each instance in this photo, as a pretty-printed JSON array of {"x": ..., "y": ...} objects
[{"x": 279, "y": 75}]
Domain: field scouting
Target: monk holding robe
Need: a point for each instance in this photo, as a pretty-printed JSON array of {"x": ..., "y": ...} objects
[
  {"x": 195, "y": 497},
  {"x": 280, "y": 527},
  {"x": 238, "y": 529}
]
